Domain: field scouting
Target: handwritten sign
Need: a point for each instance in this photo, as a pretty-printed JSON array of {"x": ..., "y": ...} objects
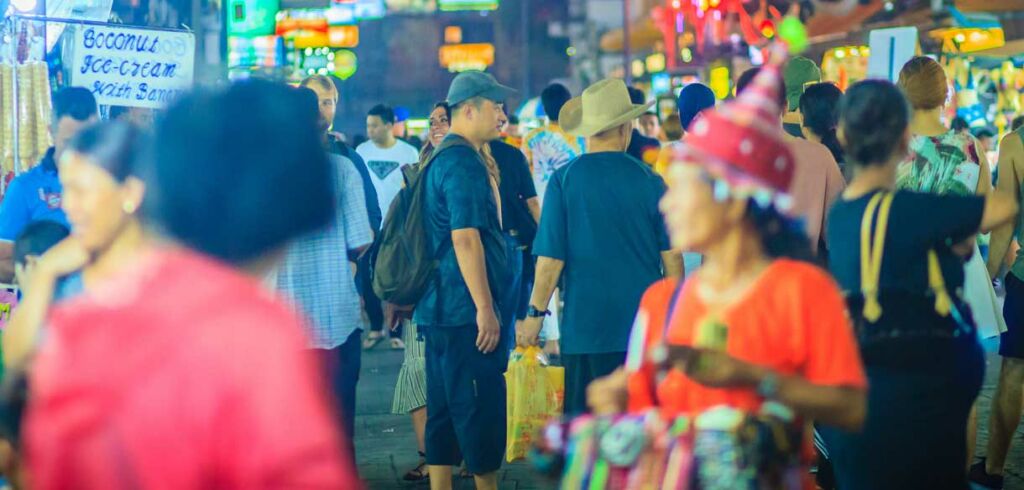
[{"x": 132, "y": 67}]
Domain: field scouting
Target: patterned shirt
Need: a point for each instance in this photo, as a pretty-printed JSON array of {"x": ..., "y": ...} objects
[
  {"x": 549, "y": 149},
  {"x": 316, "y": 273},
  {"x": 944, "y": 164}
]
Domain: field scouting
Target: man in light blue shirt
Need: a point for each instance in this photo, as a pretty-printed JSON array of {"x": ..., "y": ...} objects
[
  {"x": 35, "y": 195},
  {"x": 318, "y": 277}
]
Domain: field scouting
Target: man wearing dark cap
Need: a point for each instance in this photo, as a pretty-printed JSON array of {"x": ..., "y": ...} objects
[
  {"x": 694, "y": 99},
  {"x": 458, "y": 314}
]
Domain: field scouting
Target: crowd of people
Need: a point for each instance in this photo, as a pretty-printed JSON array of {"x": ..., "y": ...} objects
[{"x": 195, "y": 287}]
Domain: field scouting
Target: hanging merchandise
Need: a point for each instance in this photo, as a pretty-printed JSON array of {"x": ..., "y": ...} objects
[
  {"x": 25, "y": 120},
  {"x": 720, "y": 449}
]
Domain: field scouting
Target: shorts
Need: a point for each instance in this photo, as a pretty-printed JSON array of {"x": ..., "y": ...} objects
[
  {"x": 1011, "y": 342},
  {"x": 580, "y": 371},
  {"x": 465, "y": 400}
]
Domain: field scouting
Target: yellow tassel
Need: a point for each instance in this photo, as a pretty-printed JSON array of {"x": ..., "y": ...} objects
[
  {"x": 872, "y": 308},
  {"x": 943, "y": 302}
]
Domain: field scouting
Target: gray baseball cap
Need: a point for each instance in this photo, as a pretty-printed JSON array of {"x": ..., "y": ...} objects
[{"x": 471, "y": 84}]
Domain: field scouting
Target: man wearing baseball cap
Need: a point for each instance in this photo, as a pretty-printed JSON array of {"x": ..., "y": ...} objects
[
  {"x": 617, "y": 245},
  {"x": 458, "y": 315},
  {"x": 798, "y": 73}
]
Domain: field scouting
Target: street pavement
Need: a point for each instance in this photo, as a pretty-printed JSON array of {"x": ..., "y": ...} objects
[{"x": 386, "y": 446}]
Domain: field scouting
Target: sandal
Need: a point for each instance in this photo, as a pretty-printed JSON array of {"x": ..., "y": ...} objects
[
  {"x": 372, "y": 339},
  {"x": 464, "y": 473},
  {"x": 397, "y": 344},
  {"x": 420, "y": 472}
]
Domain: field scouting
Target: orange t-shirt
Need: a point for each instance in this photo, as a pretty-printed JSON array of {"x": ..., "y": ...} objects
[{"x": 792, "y": 320}]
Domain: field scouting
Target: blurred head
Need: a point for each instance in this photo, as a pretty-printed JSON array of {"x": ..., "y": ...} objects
[
  {"x": 819, "y": 107},
  {"x": 874, "y": 124},
  {"x": 102, "y": 191},
  {"x": 553, "y": 98},
  {"x": 73, "y": 109},
  {"x": 960, "y": 125},
  {"x": 748, "y": 76},
  {"x": 32, "y": 243},
  {"x": 672, "y": 128},
  {"x": 985, "y": 137},
  {"x": 512, "y": 129},
  {"x": 650, "y": 126},
  {"x": 798, "y": 73},
  {"x": 440, "y": 123},
  {"x": 1017, "y": 123},
  {"x": 694, "y": 99},
  {"x": 700, "y": 217},
  {"x": 924, "y": 82},
  {"x": 380, "y": 122},
  {"x": 327, "y": 98},
  {"x": 230, "y": 180}
]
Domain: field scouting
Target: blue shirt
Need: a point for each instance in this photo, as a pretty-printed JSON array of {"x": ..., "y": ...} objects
[
  {"x": 32, "y": 196},
  {"x": 458, "y": 195},
  {"x": 612, "y": 254},
  {"x": 316, "y": 273}
]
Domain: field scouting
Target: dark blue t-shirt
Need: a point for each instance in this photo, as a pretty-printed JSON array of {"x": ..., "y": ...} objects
[
  {"x": 458, "y": 195},
  {"x": 601, "y": 218},
  {"x": 32, "y": 196}
]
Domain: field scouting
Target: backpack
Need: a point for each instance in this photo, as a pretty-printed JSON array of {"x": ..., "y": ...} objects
[{"x": 406, "y": 262}]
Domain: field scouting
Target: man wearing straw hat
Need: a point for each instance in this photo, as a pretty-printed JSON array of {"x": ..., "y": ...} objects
[{"x": 618, "y": 245}]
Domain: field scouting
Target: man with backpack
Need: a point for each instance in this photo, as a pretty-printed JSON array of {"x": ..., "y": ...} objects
[{"x": 442, "y": 249}]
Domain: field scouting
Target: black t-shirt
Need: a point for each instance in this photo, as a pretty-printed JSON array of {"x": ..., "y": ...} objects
[
  {"x": 917, "y": 223},
  {"x": 516, "y": 187}
]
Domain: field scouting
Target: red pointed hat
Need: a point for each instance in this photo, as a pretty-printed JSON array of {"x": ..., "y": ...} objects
[{"x": 742, "y": 142}]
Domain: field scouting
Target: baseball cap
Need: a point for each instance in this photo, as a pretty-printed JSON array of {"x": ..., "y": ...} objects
[
  {"x": 797, "y": 74},
  {"x": 471, "y": 84}
]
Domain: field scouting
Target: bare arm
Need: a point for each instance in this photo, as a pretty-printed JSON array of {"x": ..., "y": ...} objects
[
  {"x": 20, "y": 334},
  {"x": 673, "y": 264},
  {"x": 1009, "y": 183},
  {"x": 984, "y": 175},
  {"x": 469, "y": 252},
  {"x": 533, "y": 204},
  {"x": 545, "y": 281}
]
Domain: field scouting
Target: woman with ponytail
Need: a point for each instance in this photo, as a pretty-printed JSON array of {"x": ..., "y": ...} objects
[
  {"x": 895, "y": 254},
  {"x": 819, "y": 106},
  {"x": 757, "y": 322}
]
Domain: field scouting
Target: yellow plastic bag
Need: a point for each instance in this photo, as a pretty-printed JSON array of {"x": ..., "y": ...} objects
[{"x": 536, "y": 393}]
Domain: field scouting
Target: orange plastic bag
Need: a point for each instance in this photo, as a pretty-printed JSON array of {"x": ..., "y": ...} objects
[{"x": 536, "y": 393}]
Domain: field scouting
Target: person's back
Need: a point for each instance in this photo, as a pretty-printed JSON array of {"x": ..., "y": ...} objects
[
  {"x": 817, "y": 184},
  {"x": 549, "y": 148},
  {"x": 160, "y": 414},
  {"x": 949, "y": 163},
  {"x": 612, "y": 251}
]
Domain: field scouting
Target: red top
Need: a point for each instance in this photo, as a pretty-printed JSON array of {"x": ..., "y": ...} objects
[
  {"x": 792, "y": 320},
  {"x": 182, "y": 374}
]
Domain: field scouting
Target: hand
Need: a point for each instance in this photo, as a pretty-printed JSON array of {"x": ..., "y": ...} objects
[
  {"x": 395, "y": 314},
  {"x": 608, "y": 395},
  {"x": 489, "y": 330},
  {"x": 552, "y": 349},
  {"x": 528, "y": 331},
  {"x": 64, "y": 258},
  {"x": 718, "y": 370}
]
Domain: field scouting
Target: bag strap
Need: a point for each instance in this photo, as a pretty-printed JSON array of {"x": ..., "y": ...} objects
[
  {"x": 937, "y": 283},
  {"x": 871, "y": 253}
]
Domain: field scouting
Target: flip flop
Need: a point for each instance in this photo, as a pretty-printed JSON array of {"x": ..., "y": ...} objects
[
  {"x": 372, "y": 339},
  {"x": 397, "y": 344}
]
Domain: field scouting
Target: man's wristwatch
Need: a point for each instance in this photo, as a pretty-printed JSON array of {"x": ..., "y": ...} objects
[{"x": 533, "y": 312}]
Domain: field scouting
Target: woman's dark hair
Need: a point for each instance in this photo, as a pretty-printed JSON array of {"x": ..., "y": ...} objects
[
  {"x": 873, "y": 115},
  {"x": 113, "y": 145},
  {"x": 959, "y": 124},
  {"x": 819, "y": 106},
  {"x": 447, "y": 108},
  {"x": 781, "y": 236},
  {"x": 239, "y": 172}
]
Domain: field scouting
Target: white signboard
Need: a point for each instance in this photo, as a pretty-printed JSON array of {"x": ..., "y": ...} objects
[
  {"x": 890, "y": 50},
  {"x": 132, "y": 67}
]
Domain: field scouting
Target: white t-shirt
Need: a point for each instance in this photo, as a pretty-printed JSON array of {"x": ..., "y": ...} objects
[{"x": 384, "y": 165}]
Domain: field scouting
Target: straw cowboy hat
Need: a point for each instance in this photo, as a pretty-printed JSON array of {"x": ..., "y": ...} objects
[{"x": 603, "y": 105}]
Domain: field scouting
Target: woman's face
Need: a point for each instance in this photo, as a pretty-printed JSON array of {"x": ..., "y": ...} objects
[
  {"x": 97, "y": 206},
  {"x": 696, "y": 221},
  {"x": 439, "y": 126}
]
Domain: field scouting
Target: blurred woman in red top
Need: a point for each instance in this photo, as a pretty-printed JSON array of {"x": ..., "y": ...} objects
[
  {"x": 752, "y": 324},
  {"x": 181, "y": 372}
]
